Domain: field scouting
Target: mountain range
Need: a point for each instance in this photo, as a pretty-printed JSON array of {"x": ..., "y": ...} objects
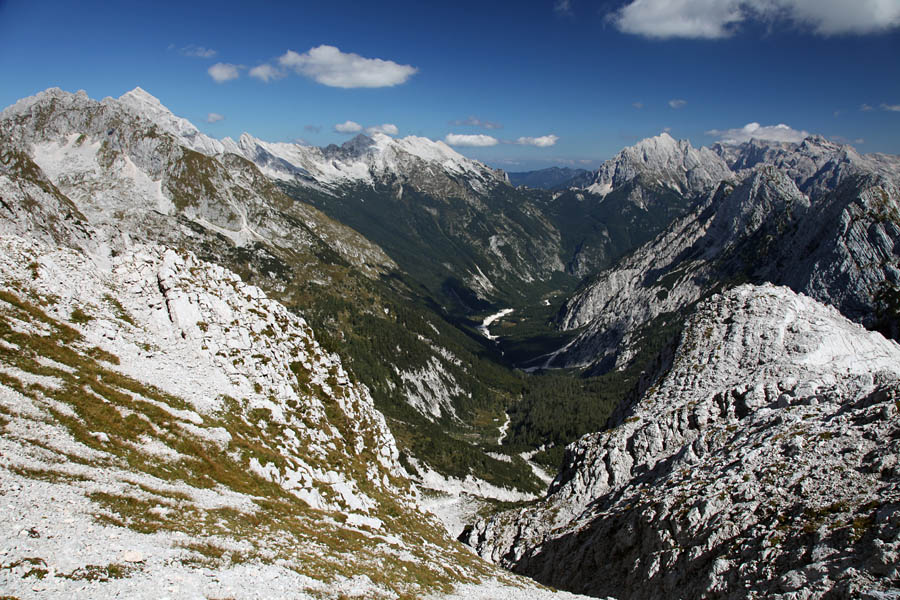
[{"x": 232, "y": 361}]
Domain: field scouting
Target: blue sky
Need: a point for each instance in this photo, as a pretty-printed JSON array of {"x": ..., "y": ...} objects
[{"x": 556, "y": 82}]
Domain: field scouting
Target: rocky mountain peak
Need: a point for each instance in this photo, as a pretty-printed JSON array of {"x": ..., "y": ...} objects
[
  {"x": 144, "y": 105},
  {"x": 765, "y": 193},
  {"x": 816, "y": 164},
  {"x": 824, "y": 224},
  {"x": 361, "y": 159},
  {"x": 354, "y": 148},
  {"x": 41, "y": 98},
  {"x": 139, "y": 97},
  {"x": 665, "y": 162},
  {"x": 358, "y": 145}
]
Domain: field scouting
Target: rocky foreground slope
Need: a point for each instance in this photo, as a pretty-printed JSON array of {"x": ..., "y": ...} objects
[
  {"x": 104, "y": 175},
  {"x": 764, "y": 464},
  {"x": 166, "y": 429}
]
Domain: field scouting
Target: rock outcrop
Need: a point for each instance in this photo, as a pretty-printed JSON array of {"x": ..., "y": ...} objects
[
  {"x": 764, "y": 464},
  {"x": 165, "y": 426},
  {"x": 663, "y": 161},
  {"x": 817, "y": 217}
]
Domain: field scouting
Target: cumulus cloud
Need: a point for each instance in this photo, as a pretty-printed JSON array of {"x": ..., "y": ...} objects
[
  {"x": 891, "y": 107},
  {"x": 477, "y": 140},
  {"x": 348, "y": 127},
  {"x": 222, "y": 72},
  {"x": 713, "y": 19},
  {"x": 677, "y": 18},
  {"x": 387, "y": 128},
  {"x": 476, "y": 122},
  {"x": 329, "y": 66},
  {"x": 266, "y": 72},
  {"x": 677, "y": 103},
  {"x": 214, "y": 118},
  {"x": 544, "y": 141},
  {"x": 771, "y": 133},
  {"x": 197, "y": 51}
]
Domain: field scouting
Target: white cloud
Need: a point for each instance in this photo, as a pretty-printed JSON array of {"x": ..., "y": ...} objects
[
  {"x": 712, "y": 19},
  {"x": 197, "y": 51},
  {"x": 677, "y": 103},
  {"x": 638, "y": 105},
  {"x": 477, "y": 140},
  {"x": 222, "y": 72},
  {"x": 891, "y": 107},
  {"x": 544, "y": 141},
  {"x": 388, "y": 128},
  {"x": 266, "y": 72},
  {"x": 348, "y": 127},
  {"x": 214, "y": 117},
  {"x": 771, "y": 133},
  {"x": 563, "y": 7},
  {"x": 866, "y": 108},
  {"x": 836, "y": 17},
  {"x": 678, "y": 18},
  {"x": 329, "y": 66},
  {"x": 476, "y": 122}
]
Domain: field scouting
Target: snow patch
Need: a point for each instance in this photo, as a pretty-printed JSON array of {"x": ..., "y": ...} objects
[{"x": 484, "y": 328}]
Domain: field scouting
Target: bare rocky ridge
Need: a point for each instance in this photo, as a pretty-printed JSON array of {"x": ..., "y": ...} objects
[
  {"x": 817, "y": 217},
  {"x": 167, "y": 427},
  {"x": 764, "y": 464},
  {"x": 664, "y": 161},
  {"x": 431, "y": 167},
  {"x": 32, "y": 205},
  {"x": 131, "y": 170}
]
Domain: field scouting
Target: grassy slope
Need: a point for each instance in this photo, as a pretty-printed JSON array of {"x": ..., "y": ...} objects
[{"x": 93, "y": 400}]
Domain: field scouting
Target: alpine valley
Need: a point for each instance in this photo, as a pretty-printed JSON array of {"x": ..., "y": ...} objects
[{"x": 239, "y": 368}]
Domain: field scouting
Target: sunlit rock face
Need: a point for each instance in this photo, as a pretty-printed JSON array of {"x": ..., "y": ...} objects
[{"x": 764, "y": 463}]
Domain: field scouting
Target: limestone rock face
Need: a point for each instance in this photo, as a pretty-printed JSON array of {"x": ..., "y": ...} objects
[
  {"x": 816, "y": 217},
  {"x": 129, "y": 165},
  {"x": 816, "y": 164},
  {"x": 30, "y": 203},
  {"x": 430, "y": 167},
  {"x": 762, "y": 465},
  {"x": 164, "y": 425},
  {"x": 664, "y": 161}
]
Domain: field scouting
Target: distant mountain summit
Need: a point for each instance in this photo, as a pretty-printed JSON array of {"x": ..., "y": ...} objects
[
  {"x": 662, "y": 161},
  {"x": 816, "y": 216},
  {"x": 364, "y": 160}
]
